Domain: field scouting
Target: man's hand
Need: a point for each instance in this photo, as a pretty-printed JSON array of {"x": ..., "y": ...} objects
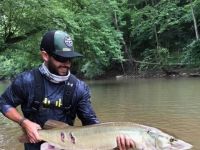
[
  {"x": 31, "y": 129},
  {"x": 125, "y": 143}
]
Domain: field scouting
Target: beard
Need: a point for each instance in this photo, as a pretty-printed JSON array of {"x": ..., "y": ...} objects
[{"x": 61, "y": 70}]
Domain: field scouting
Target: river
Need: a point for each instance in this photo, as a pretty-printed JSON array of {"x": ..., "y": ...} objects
[{"x": 172, "y": 105}]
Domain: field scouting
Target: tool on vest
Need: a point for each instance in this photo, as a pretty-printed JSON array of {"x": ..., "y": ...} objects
[
  {"x": 47, "y": 103},
  {"x": 40, "y": 101}
]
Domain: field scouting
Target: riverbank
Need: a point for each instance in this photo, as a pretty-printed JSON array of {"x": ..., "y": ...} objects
[
  {"x": 162, "y": 73},
  {"x": 116, "y": 74}
]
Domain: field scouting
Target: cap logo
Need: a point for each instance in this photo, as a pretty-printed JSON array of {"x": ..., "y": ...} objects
[
  {"x": 67, "y": 49},
  {"x": 68, "y": 41}
]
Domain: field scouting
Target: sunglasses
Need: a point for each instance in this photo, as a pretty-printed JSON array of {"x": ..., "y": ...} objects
[{"x": 60, "y": 58}]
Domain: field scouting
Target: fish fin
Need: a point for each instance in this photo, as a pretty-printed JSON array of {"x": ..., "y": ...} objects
[
  {"x": 23, "y": 138},
  {"x": 50, "y": 124}
]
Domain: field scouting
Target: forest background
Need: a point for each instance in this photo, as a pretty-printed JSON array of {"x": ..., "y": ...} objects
[{"x": 125, "y": 37}]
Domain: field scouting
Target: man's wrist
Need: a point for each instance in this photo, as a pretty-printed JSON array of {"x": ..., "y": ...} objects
[{"x": 21, "y": 121}]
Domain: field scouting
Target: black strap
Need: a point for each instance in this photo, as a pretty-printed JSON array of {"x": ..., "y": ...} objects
[
  {"x": 39, "y": 92},
  {"x": 70, "y": 86}
]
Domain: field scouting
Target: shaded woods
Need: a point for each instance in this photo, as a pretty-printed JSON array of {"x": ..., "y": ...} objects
[{"x": 119, "y": 36}]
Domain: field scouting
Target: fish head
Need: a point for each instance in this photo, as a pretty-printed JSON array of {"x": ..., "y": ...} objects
[{"x": 163, "y": 141}]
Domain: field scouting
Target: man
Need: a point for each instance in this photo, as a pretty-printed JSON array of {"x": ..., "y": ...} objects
[{"x": 51, "y": 92}]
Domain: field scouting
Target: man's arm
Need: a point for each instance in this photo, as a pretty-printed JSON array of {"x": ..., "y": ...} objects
[
  {"x": 30, "y": 127},
  {"x": 13, "y": 96},
  {"x": 85, "y": 110}
]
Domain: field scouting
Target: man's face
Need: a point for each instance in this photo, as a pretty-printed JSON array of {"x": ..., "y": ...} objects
[{"x": 57, "y": 67}]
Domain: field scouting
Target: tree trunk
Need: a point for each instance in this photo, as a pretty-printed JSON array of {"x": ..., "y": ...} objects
[
  {"x": 127, "y": 52},
  {"x": 156, "y": 35},
  {"x": 195, "y": 22}
]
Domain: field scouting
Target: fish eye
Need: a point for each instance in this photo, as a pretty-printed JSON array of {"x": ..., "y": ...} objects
[{"x": 172, "y": 139}]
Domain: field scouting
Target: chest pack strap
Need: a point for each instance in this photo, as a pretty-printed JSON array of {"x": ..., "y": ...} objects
[{"x": 39, "y": 93}]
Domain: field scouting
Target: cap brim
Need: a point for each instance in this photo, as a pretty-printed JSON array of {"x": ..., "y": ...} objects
[{"x": 68, "y": 54}]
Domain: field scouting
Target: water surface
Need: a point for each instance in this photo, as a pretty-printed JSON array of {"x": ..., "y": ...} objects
[{"x": 172, "y": 105}]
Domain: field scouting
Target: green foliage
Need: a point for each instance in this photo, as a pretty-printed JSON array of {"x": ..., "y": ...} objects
[
  {"x": 15, "y": 62},
  {"x": 99, "y": 41},
  {"x": 103, "y": 31},
  {"x": 91, "y": 70},
  {"x": 90, "y": 23},
  {"x": 155, "y": 58},
  {"x": 191, "y": 55},
  {"x": 162, "y": 19},
  {"x": 142, "y": 25}
]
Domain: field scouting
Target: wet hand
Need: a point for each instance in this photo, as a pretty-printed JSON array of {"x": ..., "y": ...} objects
[
  {"x": 31, "y": 130},
  {"x": 125, "y": 143}
]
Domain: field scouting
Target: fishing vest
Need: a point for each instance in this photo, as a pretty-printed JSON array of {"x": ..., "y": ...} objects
[{"x": 39, "y": 94}]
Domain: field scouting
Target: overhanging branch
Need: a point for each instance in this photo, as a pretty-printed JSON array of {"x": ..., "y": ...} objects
[{"x": 11, "y": 40}]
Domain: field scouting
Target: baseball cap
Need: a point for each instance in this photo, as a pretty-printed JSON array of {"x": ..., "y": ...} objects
[{"x": 58, "y": 43}]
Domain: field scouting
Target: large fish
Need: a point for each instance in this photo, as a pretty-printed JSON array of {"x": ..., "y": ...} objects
[{"x": 103, "y": 137}]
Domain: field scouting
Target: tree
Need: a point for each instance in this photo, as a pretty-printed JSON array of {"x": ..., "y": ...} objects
[
  {"x": 195, "y": 22},
  {"x": 148, "y": 33},
  {"x": 93, "y": 32},
  {"x": 97, "y": 38}
]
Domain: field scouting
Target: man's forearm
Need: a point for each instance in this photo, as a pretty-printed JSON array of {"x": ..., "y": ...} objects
[{"x": 14, "y": 115}]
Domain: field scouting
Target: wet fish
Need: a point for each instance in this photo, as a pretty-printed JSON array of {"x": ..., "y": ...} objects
[{"x": 103, "y": 137}]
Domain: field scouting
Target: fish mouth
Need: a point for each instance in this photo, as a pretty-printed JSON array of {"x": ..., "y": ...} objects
[{"x": 181, "y": 145}]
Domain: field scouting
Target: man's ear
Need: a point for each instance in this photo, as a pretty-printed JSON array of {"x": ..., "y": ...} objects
[{"x": 44, "y": 56}]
